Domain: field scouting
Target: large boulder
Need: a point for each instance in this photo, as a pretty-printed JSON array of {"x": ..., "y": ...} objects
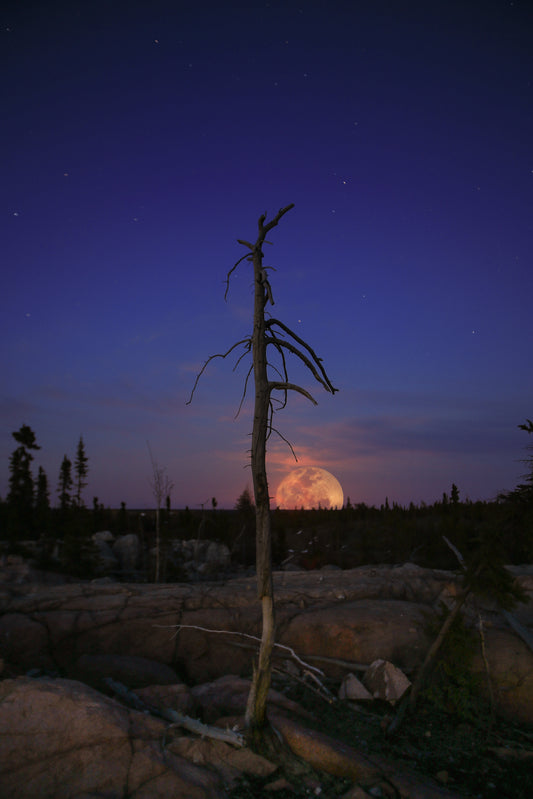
[
  {"x": 176, "y": 697},
  {"x": 218, "y": 555},
  {"x": 25, "y": 642},
  {"x": 62, "y": 739},
  {"x": 107, "y": 561},
  {"x": 198, "y": 558},
  {"x": 127, "y": 549},
  {"x": 132, "y": 671},
  {"x": 339, "y": 621},
  {"x": 510, "y": 667},
  {"x": 361, "y": 631},
  {"x": 227, "y": 696}
]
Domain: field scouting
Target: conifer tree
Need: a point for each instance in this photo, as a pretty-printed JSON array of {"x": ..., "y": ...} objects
[
  {"x": 244, "y": 503},
  {"x": 80, "y": 470},
  {"x": 523, "y": 493},
  {"x": 518, "y": 511},
  {"x": 65, "y": 484},
  {"x": 21, "y": 487},
  {"x": 42, "y": 501}
]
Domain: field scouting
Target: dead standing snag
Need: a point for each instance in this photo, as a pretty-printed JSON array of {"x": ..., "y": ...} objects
[{"x": 266, "y": 333}]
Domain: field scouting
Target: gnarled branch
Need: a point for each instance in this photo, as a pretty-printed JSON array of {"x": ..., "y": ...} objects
[
  {"x": 324, "y": 379},
  {"x": 279, "y": 344},
  {"x": 235, "y": 265},
  {"x": 246, "y": 341}
]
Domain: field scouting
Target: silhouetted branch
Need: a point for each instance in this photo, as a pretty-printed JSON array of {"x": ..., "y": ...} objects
[
  {"x": 263, "y": 229},
  {"x": 244, "y": 354},
  {"x": 246, "y": 341},
  {"x": 307, "y": 361},
  {"x": 528, "y": 427},
  {"x": 234, "y": 267},
  {"x": 286, "y": 440},
  {"x": 326, "y": 382},
  {"x": 274, "y": 386},
  {"x": 250, "y": 370},
  {"x": 285, "y": 375}
]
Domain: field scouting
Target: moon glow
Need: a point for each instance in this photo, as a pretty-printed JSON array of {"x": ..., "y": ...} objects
[{"x": 309, "y": 487}]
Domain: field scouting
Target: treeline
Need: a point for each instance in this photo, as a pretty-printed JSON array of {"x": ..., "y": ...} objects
[
  {"x": 357, "y": 534},
  {"x": 28, "y": 509}
]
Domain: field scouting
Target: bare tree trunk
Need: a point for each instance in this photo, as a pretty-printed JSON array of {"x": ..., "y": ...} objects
[
  {"x": 282, "y": 339},
  {"x": 257, "y": 700},
  {"x": 157, "y": 547},
  {"x": 161, "y": 486}
]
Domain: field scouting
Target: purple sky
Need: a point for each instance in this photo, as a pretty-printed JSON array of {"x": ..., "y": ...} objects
[{"x": 140, "y": 140}]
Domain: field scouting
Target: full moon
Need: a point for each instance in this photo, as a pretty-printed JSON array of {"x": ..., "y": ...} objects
[{"x": 309, "y": 487}]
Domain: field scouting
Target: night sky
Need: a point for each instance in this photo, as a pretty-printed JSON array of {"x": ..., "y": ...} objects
[{"x": 140, "y": 140}]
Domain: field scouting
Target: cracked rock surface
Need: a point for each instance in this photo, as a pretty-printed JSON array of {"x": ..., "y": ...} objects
[
  {"x": 78, "y": 742},
  {"x": 333, "y": 619}
]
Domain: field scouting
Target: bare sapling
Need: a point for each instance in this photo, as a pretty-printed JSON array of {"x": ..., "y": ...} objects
[{"x": 161, "y": 486}]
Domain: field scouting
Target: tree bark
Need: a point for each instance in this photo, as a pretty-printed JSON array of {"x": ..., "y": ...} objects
[
  {"x": 256, "y": 715},
  {"x": 257, "y": 700}
]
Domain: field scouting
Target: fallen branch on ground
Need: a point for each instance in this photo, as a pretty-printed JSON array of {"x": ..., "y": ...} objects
[{"x": 175, "y": 718}]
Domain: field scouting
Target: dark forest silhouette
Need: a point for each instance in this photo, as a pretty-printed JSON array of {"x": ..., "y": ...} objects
[{"x": 355, "y": 535}]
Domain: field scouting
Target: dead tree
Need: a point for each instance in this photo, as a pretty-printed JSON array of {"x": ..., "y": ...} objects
[
  {"x": 268, "y": 335},
  {"x": 161, "y": 486}
]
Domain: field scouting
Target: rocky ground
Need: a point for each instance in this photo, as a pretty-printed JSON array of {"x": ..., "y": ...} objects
[{"x": 189, "y": 647}]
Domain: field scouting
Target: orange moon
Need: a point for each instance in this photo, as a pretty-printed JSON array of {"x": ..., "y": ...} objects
[{"x": 309, "y": 487}]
